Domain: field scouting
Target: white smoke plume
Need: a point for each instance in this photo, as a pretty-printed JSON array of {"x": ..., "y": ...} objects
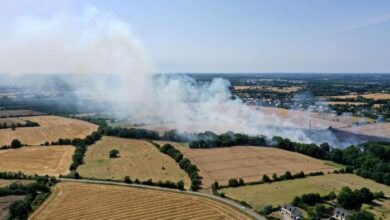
[{"x": 98, "y": 44}]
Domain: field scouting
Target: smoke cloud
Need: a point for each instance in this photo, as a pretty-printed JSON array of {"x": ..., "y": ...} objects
[{"x": 110, "y": 64}]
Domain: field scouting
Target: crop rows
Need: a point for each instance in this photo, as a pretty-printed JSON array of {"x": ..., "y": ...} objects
[{"x": 89, "y": 201}]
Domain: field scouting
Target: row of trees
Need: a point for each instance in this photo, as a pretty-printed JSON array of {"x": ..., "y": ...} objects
[
  {"x": 166, "y": 184},
  {"x": 28, "y": 123},
  {"x": 185, "y": 164},
  {"x": 15, "y": 143},
  {"x": 211, "y": 140},
  {"x": 36, "y": 193}
]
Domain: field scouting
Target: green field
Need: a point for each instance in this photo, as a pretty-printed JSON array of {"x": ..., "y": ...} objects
[
  {"x": 137, "y": 159},
  {"x": 279, "y": 193},
  {"x": 334, "y": 164}
]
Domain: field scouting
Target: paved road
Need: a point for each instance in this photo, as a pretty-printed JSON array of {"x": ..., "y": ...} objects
[{"x": 226, "y": 201}]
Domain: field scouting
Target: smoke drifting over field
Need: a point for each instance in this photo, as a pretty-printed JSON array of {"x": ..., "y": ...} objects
[{"x": 98, "y": 43}]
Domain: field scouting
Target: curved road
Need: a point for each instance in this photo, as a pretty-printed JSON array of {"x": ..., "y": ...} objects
[{"x": 226, "y": 201}]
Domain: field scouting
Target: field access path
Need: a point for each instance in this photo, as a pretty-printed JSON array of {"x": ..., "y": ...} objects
[{"x": 226, "y": 201}]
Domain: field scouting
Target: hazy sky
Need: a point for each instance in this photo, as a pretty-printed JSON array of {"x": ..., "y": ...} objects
[{"x": 244, "y": 35}]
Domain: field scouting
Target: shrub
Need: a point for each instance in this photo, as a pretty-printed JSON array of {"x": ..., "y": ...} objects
[
  {"x": 16, "y": 143},
  {"x": 266, "y": 179},
  {"x": 127, "y": 179},
  {"x": 114, "y": 153}
]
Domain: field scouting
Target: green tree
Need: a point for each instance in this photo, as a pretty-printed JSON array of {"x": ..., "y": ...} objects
[
  {"x": 16, "y": 143},
  {"x": 19, "y": 210},
  {"x": 180, "y": 184},
  {"x": 363, "y": 215},
  {"x": 215, "y": 186},
  {"x": 233, "y": 183},
  {"x": 114, "y": 153},
  {"x": 332, "y": 196},
  {"x": 288, "y": 175},
  {"x": 266, "y": 179},
  {"x": 268, "y": 209},
  {"x": 127, "y": 179},
  {"x": 322, "y": 211}
]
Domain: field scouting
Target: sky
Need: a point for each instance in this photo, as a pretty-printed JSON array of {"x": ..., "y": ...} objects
[{"x": 237, "y": 36}]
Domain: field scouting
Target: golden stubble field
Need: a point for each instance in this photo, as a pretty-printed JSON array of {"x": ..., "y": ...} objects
[
  {"x": 93, "y": 201},
  {"x": 248, "y": 163},
  {"x": 375, "y": 96},
  {"x": 138, "y": 159},
  {"x": 376, "y": 129},
  {"x": 51, "y": 129},
  {"x": 52, "y": 160}
]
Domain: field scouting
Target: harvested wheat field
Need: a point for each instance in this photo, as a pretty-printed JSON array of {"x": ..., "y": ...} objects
[
  {"x": 282, "y": 192},
  {"x": 10, "y": 121},
  {"x": 296, "y": 118},
  {"x": 138, "y": 159},
  {"x": 18, "y": 113},
  {"x": 93, "y": 201},
  {"x": 7, "y": 182},
  {"x": 342, "y": 103},
  {"x": 376, "y": 129},
  {"x": 249, "y": 163},
  {"x": 53, "y": 160},
  {"x": 375, "y": 96},
  {"x": 51, "y": 129}
]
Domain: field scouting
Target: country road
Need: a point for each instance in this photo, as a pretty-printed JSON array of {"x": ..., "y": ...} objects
[{"x": 226, "y": 201}]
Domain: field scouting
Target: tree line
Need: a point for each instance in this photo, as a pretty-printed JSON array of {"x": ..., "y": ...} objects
[
  {"x": 35, "y": 194},
  {"x": 184, "y": 163},
  {"x": 28, "y": 123}
]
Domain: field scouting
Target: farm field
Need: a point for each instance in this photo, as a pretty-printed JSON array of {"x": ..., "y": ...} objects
[
  {"x": 279, "y": 193},
  {"x": 51, "y": 129},
  {"x": 367, "y": 96},
  {"x": 343, "y": 103},
  {"x": 377, "y": 129},
  {"x": 10, "y": 121},
  {"x": 7, "y": 182},
  {"x": 296, "y": 118},
  {"x": 248, "y": 163},
  {"x": 52, "y": 160},
  {"x": 17, "y": 113},
  {"x": 138, "y": 159},
  {"x": 93, "y": 201}
]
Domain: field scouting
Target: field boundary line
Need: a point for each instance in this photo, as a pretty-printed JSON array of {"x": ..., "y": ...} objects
[{"x": 231, "y": 203}]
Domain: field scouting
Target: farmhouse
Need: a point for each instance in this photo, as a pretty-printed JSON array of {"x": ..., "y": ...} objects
[
  {"x": 291, "y": 211},
  {"x": 340, "y": 214}
]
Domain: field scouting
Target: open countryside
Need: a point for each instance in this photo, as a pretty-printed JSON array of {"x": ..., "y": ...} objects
[
  {"x": 94, "y": 201},
  {"x": 278, "y": 193},
  {"x": 51, "y": 129},
  {"x": 138, "y": 159},
  {"x": 249, "y": 163},
  {"x": 48, "y": 160}
]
